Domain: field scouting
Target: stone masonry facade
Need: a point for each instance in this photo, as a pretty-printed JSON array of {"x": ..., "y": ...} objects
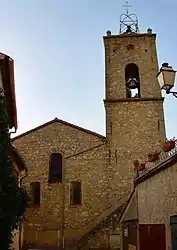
[
  {"x": 134, "y": 127},
  {"x": 36, "y": 148}
]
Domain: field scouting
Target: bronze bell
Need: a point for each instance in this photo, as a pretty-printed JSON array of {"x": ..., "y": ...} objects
[
  {"x": 128, "y": 29},
  {"x": 132, "y": 83}
]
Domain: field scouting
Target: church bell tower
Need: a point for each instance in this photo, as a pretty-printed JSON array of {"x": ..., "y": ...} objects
[{"x": 133, "y": 101}]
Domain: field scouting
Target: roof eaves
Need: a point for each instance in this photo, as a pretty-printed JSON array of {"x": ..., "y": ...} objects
[
  {"x": 63, "y": 122},
  {"x": 17, "y": 158}
]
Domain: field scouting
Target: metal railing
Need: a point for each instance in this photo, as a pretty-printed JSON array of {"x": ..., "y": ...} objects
[{"x": 163, "y": 156}]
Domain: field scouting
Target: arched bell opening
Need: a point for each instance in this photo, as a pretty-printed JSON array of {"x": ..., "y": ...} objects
[{"x": 132, "y": 81}]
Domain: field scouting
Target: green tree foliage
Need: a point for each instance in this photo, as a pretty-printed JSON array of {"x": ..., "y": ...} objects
[{"x": 13, "y": 199}]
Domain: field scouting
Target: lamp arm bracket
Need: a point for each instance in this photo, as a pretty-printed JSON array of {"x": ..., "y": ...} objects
[{"x": 174, "y": 93}]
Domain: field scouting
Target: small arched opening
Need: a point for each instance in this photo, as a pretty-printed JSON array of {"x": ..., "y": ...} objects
[{"x": 132, "y": 81}]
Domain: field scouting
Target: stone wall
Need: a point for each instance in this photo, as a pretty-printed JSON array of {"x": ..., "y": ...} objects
[
  {"x": 106, "y": 234},
  {"x": 135, "y": 133},
  {"x": 90, "y": 168},
  {"x": 117, "y": 56},
  {"x": 15, "y": 239},
  {"x": 85, "y": 157},
  {"x": 131, "y": 211},
  {"x": 91, "y": 163},
  {"x": 134, "y": 126}
]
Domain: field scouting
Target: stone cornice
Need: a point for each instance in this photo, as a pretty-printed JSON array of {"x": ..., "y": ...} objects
[{"x": 134, "y": 99}]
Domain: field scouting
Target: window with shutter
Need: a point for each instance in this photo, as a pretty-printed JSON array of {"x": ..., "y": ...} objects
[
  {"x": 56, "y": 167},
  {"x": 75, "y": 193},
  {"x": 35, "y": 193}
]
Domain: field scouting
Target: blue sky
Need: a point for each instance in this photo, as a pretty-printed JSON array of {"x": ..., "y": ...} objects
[{"x": 59, "y": 56}]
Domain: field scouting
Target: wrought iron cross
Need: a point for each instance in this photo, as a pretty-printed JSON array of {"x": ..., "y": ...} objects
[{"x": 127, "y": 6}]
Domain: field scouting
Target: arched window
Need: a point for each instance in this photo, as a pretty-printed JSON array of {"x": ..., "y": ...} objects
[
  {"x": 132, "y": 80},
  {"x": 56, "y": 167}
]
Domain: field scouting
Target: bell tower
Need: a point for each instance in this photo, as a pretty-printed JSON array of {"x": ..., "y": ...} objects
[{"x": 133, "y": 101}]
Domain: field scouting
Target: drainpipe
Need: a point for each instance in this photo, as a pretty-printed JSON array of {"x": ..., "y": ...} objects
[
  {"x": 20, "y": 226},
  {"x": 19, "y": 240},
  {"x": 13, "y": 132},
  {"x": 62, "y": 226},
  {"x": 20, "y": 180},
  {"x": 58, "y": 237}
]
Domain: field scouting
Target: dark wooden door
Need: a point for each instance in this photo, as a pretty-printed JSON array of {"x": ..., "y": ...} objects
[
  {"x": 173, "y": 222},
  {"x": 152, "y": 236}
]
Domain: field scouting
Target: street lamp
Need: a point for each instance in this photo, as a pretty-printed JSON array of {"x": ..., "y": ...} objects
[{"x": 166, "y": 78}]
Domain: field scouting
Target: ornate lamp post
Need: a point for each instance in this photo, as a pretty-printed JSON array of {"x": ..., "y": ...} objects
[{"x": 166, "y": 79}]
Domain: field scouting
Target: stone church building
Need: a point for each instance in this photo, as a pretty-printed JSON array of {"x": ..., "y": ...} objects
[{"x": 80, "y": 181}]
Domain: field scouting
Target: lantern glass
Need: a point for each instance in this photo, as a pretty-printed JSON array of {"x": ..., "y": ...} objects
[{"x": 166, "y": 77}]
